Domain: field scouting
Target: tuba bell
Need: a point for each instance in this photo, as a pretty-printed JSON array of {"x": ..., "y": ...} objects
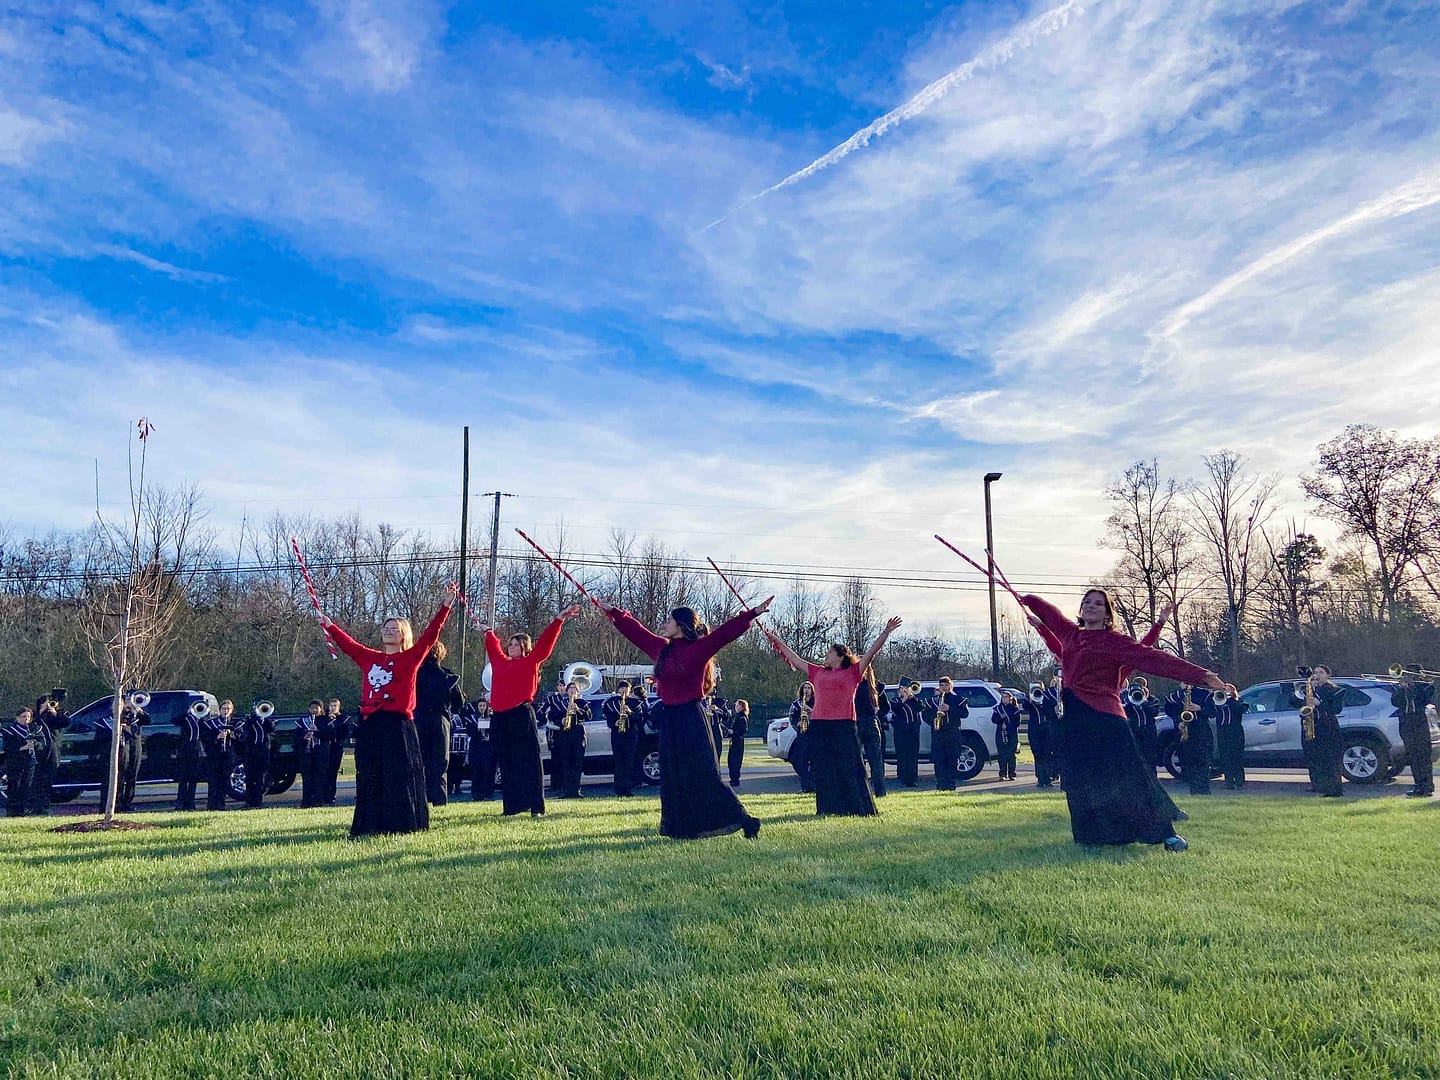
[
  {"x": 585, "y": 676},
  {"x": 200, "y": 710},
  {"x": 1037, "y": 693},
  {"x": 1136, "y": 694},
  {"x": 1220, "y": 697},
  {"x": 137, "y": 700},
  {"x": 264, "y": 710}
]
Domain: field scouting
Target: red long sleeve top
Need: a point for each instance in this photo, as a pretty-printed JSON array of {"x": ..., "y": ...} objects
[
  {"x": 515, "y": 681},
  {"x": 1053, "y": 644},
  {"x": 390, "y": 677},
  {"x": 1097, "y": 662},
  {"x": 680, "y": 677}
]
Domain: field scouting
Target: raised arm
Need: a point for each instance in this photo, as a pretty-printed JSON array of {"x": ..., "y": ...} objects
[
  {"x": 427, "y": 639},
  {"x": 1053, "y": 620},
  {"x": 493, "y": 651},
  {"x": 347, "y": 644},
  {"x": 794, "y": 659},
  {"x": 1051, "y": 641},
  {"x": 551, "y": 637},
  {"x": 731, "y": 630},
  {"x": 874, "y": 650},
  {"x": 632, "y": 631}
]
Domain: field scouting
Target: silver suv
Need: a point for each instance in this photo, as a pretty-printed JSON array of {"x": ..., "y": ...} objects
[{"x": 1369, "y": 725}]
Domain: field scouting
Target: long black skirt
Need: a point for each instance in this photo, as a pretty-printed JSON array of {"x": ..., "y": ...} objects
[
  {"x": 838, "y": 768},
  {"x": 517, "y": 752},
  {"x": 1113, "y": 795},
  {"x": 694, "y": 801},
  {"x": 389, "y": 777}
]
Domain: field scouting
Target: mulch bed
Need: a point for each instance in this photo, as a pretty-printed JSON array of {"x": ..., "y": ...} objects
[{"x": 102, "y": 826}]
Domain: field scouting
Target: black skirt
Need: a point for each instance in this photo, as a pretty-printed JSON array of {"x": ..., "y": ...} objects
[
  {"x": 1113, "y": 795},
  {"x": 517, "y": 753},
  {"x": 389, "y": 777},
  {"x": 694, "y": 801},
  {"x": 837, "y": 768}
]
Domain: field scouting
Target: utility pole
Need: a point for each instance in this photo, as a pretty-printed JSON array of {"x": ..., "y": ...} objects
[
  {"x": 494, "y": 554},
  {"x": 990, "y": 478},
  {"x": 464, "y": 545}
]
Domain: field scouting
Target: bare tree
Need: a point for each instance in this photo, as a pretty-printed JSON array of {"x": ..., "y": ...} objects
[
  {"x": 1147, "y": 526},
  {"x": 860, "y": 612},
  {"x": 1292, "y": 582}
]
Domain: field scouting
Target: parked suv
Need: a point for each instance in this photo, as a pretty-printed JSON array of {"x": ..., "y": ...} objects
[
  {"x": 977, "y": 737},
  {"x": 1369, "y": 725}
]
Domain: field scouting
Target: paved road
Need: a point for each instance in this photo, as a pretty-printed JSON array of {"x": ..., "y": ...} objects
[{"x": 765, "y": 775}]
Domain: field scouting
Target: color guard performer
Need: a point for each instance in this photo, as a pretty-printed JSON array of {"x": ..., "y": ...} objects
[
  {"x": 694, "y": 800},
  {"x": 566, "y": 720},
  {"x": 1006, "y": 717},
  {"x": 1321, "y": 700},
  {"x": 1230, "y": 737},
  {"x": 906, "y": 716},
  {"x": 837, "y": 766},
  {"x": 389, "y": 771},
  {"x": 1112, "y": 796},
  {"x": 625, "y": 722},
  {"x": 944, "y": 715},
  {"x": 515, "y": 680},
  {"x": 217, "y": 734},
  {"x": 800, "y": 710}
]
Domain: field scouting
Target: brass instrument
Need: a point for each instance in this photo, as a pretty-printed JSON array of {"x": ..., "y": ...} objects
[
  {"x": 200, "y": 710},
  {"x": 914, "y": 687},
  {"x": 138, "y": 700},
  {"x": 568, "y": 721},
  {"x": 1037, "y": 693},
  {"x": 1136, "y": 694},
  {"x": 1220, "y": 697},
  {"x": 264, "y": 710},
  {"x": 1400, "y": 672},
  {"x": 622, "y": 724},
  {"x": 1187, "y": 715}
]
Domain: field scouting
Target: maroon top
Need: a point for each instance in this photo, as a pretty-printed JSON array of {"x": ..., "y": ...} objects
[
  {"x": 390, "y": 677},
  {"x": 680, "y": 676},
  {"x": 1097, "y": 662}
]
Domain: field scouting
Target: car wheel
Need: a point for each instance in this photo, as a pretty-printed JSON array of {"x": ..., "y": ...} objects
[
  {"x": 281, "y": 784},
  {"x": 972, "y": 757},
  {"x": 64, "y": 793},
  {"x": 650, "y": 767},
  {"x": 1170, "y": 758},
  {"x": 1365, "y": 760}
]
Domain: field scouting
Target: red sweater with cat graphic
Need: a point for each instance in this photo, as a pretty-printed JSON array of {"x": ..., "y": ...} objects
[{"x": 390, "y": 677}]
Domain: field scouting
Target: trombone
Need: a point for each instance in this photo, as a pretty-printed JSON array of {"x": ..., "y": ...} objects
[{"x": 1402, "y": 671}]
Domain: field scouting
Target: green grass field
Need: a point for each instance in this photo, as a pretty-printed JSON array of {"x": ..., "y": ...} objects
[{"x": 953, "y": 936}]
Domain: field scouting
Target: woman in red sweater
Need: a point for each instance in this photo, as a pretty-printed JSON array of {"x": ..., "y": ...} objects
[
  {"x": 694, "y": 801},
  {"x": 837, "y": 765},
  {"x": 514, "y": 682},
  {"x": 1113, "y": 797},
  {"x": 389, "y": 771}
]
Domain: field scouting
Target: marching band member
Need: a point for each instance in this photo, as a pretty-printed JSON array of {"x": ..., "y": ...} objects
[
  {"x": 389, "y": 771},
  {"x": 132, "y": 753},
  {"x": 437, "y": 700},
  {"x": 1230, "y": 738},
  {"x": 339, "y": 730},
  {"x": 719, "y": 710},
  {"x": 188, "y": 757},
  {"x": 1113, "y": 798},
  {"x": 738, "y": 730},
  {"x": 311, "y": 755},
  {"x": 1320, "y": 733},
  {"x": 944, "y": 715},
  {"x": 800, "y": 710},
  {"x": 1142, "y": 715},
  {"x": 836, "y": 765},
  {"x": 482, "y": 752},
  {"x": 464, "y": 736},
  {"x": 515, "y": 680},
  {"x": 216, "y": 734},
  {"x": 906, "y": 716},
  {"x": 1006, "y": 718},
  {"x": 49, "y": 721},
  {"x": 694, "y": 801},
  {"x": 868, "y": 700},
  {"x": 1410, "y": 697},
  {"x": 1044, "y": 732},
  {"x": 254, "y": 742},
  {"x": 566, "y": 720},
  {"x": 20, "y": 753},
  {"x": 625, "y": 722},
  {"x": 1191, "y": 712}
]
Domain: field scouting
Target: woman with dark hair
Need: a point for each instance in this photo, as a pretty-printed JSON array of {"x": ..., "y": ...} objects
[
  {"x": 694, "y": 800},
  {"x": 389, "y": 772},
  {"x": 737, "y": 731},
  {"x": 1320, "y": 735},
  {"x": 1112, "y": 795},
  {"x": 514, "y": 682},
  {"x": 437, "y": 699},
  {"x": 800, "y": 710},
  {"x": 836, "y": 764},
  {"x": 868, "y": 702},
  {"x": 20, "y": 752}
]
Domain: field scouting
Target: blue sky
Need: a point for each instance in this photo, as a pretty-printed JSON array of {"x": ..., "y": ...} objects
[{"x": 311, "y": 241}]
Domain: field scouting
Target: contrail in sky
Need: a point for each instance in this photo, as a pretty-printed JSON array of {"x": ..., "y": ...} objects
[{"x": 991, "y": 56}]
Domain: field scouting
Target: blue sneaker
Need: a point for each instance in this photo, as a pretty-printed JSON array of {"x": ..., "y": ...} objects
[{"x": 1176, "y": 844}]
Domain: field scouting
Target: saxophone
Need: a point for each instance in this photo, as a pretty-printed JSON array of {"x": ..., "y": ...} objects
[
  {"x": 1307, "y": 711},
  {"x": 803, "y": 724},
  {"x": 1187, "y": 716},
  {"x": 569, "y": 719},
  {"x": 622, "y": 725},
  {"x": 941, "y": 711}
]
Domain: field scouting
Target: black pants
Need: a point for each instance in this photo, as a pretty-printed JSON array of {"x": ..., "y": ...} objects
[
  {"x": 389, "y": 777},
  {"x": 1230, "y": 749},
  {"x": 945, "y": 753},
  {"x": 47, "y": 765},
  {"x": 217, "y": 779},
  {"x": 187, "y": 775},
  {"x": 872, "y": 748},
  {"x": 434, "y": 735},
  {"x": 257, "y": 774},
  {"x": 1322, "y": 756},
  {"x": 19, "y": 777},
  {"x": 1197, "y": 757},
  {"x": 622, "y": 745},
  {"x": 312, "y": 770},
  {"x": 907, "y": 755},
  {"x": 131, "y": 755},
  {"x": 334, "y": 755},
  {"x": 800, "y": 760},
  {"x": 567, "y": 763},
  {"x": 482, "y": 768},
  {"x": 1416, "y": 733},
  {"x": 1042, "y": 747},
  {"x": 1005, "y": 755},
  {"x": 735, "y": 760},
  {"x": 517, "y": 752}
]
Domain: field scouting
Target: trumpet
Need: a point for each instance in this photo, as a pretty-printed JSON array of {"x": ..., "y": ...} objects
[
  {"x": 264, "y": 710},
  {"x": 200, "y": 710},
  {"x": 1136, "y": 694},
  {"x": 1220, "y": 697},
  {"x": 137, "y": 699},
  {"x": 1037, "y": 693}
]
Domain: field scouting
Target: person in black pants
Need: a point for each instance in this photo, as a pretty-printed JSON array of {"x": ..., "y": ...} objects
[
  {"x": 336, "y": 730},
  {"x": 906, "y": 716},
  {"x": 625, "y": 723},
  {"x": 719, "y": 721},
  {"x": 800, "y": 748},
  {"x": 868, "y": 701},
  {"x": 566, "y": 718},
  {"x": 1410, "y": 697},
  {"x": 1230, "y": 739},
  {"x": 132, "y": 753},
  {"x": 188, "y": 758},
  {"x": 310, "y": 754},
  {"x": 1050, "y": 719},
  {"x": 1142, "y": 715},
  {"x": 1320, "y": 736},
  {"x": 945, "y": 715},
  {"x": 1006, "y": 718},
  {"x": 217, "y": 734},
  {"x": 49, "y": 722},
  {"x": 255, "y": 733},
  {"x": 738, "y": 730},
  {"x": 20, "y": 753},
  {"x": 437, "y": 699},
  {"x": 1197, "y": 739}
]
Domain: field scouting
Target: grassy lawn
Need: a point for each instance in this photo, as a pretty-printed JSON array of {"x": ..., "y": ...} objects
[{"x": 953, "y": 936}]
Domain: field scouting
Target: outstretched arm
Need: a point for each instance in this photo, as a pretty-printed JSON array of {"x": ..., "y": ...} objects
[
  {"x": 732, "y": 629},
  {"x": 874, "y": 650},
  {"x": 794, "y": 659},
  {"x": 1051, "y": 641},
  {"x": 551, "y": 636},
  {"x": 632, "y": 631},
  {"x": 344, "y": 642}
]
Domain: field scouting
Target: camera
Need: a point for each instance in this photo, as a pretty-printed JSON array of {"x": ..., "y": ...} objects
[{"x": 57, "y": 695}]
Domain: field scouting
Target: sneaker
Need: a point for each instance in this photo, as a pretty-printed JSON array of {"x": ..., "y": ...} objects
[
  {"x": 752, "y": 828},
  {"x": 1176, "y": 844}
]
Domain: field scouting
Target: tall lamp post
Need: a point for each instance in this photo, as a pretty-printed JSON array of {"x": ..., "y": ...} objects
[{"x": 990, "y": 478}]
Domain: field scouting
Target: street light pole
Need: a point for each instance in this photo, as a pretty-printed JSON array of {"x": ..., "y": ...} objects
[{"x": 990, "y": 478}]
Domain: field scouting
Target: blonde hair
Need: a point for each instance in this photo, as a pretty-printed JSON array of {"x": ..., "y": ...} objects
[{"x": 407, "y": 632}]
